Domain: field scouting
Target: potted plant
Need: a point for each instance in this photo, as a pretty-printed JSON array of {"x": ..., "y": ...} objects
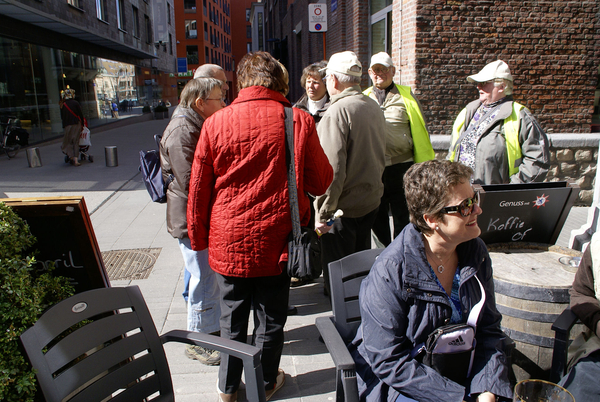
[
  {"x": 25, "y": 294},
  {"x": 146, "y": 109},
  {"x": 161, "y": 111}
]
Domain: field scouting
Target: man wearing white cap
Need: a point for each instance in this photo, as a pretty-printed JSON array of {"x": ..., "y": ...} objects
[
  {"x": 352, "y": 134},
  {"x": 407, "y": 142},
  {"x": 497, "y": 137}
]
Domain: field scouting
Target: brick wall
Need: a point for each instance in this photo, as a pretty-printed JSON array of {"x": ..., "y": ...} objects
[{"x": 552, "y": 48}]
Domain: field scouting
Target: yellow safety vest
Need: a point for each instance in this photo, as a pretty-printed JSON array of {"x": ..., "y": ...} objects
[
  {"x": 422, "y": 149},
  {"x": 511, "y": 137}
]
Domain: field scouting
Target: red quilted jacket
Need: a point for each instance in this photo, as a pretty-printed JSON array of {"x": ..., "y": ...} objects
[{"x": 238, "y": 202}]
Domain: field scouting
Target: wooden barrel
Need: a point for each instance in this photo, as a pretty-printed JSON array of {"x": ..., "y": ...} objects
[{"x": 532, "y": 283}]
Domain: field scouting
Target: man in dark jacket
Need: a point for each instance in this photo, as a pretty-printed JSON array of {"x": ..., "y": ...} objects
[{"x": 199, "y": 99}]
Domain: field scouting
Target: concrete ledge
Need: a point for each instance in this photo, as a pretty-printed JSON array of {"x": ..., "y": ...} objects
[{"x": 562, "y": 140}]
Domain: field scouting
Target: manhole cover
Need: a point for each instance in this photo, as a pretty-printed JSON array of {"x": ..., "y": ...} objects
[{"x": 130, "y": 264}]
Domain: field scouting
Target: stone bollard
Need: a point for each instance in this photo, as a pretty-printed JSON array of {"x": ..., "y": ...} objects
[
  {"x": 33, "y": 157},
  {"x": 110, "y": 154}
]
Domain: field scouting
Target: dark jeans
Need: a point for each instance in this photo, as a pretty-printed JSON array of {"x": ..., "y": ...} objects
[
  {"x": 347, "y": 236},
  {"x": 393, "y": 198},
  {"x": 268, "y": 296}
]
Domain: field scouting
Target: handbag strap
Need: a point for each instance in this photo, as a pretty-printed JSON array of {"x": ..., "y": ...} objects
[
  {"x": 291, "y": 171},
  {"x": 476, "y": 310},
  {"x": 72, "y": 112}
]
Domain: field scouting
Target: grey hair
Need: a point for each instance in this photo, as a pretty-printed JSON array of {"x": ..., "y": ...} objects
[
  {"x": 207, "y": 71},
  {"x": 346, "y": 79},
  {"x": 508, "y": 85},
  {"x": 198, "y": 88}
]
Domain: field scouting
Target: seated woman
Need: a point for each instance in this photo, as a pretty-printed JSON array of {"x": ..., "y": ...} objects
[{"x": 425, "y": 279}]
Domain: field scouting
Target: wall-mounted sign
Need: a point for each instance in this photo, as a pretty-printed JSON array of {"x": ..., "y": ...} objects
[{"x": 317, "y": 17}]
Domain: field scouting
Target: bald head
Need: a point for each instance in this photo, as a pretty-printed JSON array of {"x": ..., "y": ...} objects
[{"x": 213, "y": 71}]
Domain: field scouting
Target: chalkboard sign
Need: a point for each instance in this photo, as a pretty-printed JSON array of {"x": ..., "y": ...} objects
[
  {"x": 66, "y": 237},
  {"x": 531, "y": 212}
]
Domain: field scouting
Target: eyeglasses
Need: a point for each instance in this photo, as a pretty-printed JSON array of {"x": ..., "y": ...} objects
[
  {"x": 217, "y": 99},
  {"x": 380, "y": 70},
  {"x": 465, "y": 208}
]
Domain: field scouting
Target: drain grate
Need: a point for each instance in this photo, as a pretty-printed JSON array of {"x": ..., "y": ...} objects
[{"x": 130, "y": 264}]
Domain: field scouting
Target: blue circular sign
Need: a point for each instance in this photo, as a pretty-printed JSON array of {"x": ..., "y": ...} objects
[{"x": 318, "y": 27}]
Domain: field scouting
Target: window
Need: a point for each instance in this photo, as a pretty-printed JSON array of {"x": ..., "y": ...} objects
[
  {"x": 261, "y": 45},
  {"x": 169, "y": 13},
  {"x": 189, "y": 5},
  {"x": 190, "y": 29},
  {"x": 192, "y": 54},
  {"x": 101, "y": 9},
  {"x": 75, "y": 3},
  {"x": 206, "y": 31},
  {"x": 148, "y": 29},
  {"x": 121, "y": 14},
  {"x": 136, "y": 22},
  {"x": 170, "y": 44},
  {"x": 381, "y": 26},
  {"x": 204, "y": 6}
]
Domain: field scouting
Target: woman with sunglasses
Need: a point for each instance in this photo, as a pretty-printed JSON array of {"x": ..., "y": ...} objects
[{"x": 430, "y": 276}]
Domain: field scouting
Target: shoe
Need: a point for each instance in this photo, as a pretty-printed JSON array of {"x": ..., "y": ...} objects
[
  {"x": 226, "y": 397},
  {"x": 292, "y": 310},
  {"x": 205, "y": 356},
  {"x": 295, "y": 282},
  {"x": 278, "y": 384}
]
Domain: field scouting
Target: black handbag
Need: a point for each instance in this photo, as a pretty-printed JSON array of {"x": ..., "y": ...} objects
[{"x": 304, "y": 246}]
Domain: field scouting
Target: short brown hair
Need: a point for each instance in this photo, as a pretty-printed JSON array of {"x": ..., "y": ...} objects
[
  {"x": 313, "y": 71},
  {"x": 262, "y": 69},
  {"x": 427, "y": 188}
]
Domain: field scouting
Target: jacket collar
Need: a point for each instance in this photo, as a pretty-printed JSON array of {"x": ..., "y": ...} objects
[
  {"x": 189, "y": 114},
  {"x": 260, "y": 93},
  {"x": 350, "y": 91}
]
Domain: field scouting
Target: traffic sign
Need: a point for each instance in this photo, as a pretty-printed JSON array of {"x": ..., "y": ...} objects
[{"x": 317, "y": 17}]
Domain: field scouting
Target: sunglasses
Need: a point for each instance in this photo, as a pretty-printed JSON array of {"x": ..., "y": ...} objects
[{"x": 465, "y": 208}]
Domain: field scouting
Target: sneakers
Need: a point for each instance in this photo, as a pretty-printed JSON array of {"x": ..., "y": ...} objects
[
  {"x": 205, "y": 356},
  {"x": 278, "y": 384}
]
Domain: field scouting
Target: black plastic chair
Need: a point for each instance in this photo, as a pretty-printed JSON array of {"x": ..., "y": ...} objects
[
  {"x": 562, "y": 329},
  {"x": 345, "y": 277},
  {"x": 102, "y": 345}
]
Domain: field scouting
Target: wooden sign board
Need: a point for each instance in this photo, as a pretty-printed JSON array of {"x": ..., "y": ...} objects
[
  {"x": 531, "y": 212},
  {"x": 65, "y": 236}
]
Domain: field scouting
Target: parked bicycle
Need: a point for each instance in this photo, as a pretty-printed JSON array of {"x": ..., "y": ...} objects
[{"x": 13, "y": 136}]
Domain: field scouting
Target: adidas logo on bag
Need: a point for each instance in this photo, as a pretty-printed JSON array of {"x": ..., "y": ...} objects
[{"x": 457, "y": 342}]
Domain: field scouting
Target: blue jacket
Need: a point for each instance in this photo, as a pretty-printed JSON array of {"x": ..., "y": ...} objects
[{"x": 401, "y": 304}]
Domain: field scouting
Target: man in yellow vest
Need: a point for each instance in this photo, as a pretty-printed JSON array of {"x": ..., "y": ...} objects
[
  {"x": 497, "y": 137},
  {"x": 407, "y": 142}
]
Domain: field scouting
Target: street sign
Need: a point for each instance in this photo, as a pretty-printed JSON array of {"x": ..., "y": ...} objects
[
  {"x": 182, "y": 64},
  {"x": 317, "y": 17}
]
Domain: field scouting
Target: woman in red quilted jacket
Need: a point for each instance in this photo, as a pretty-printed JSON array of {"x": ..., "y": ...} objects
[{"x": 239, "y": 208}]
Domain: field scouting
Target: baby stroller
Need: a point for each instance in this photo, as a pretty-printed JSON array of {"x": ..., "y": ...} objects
[{"x": 85, "y": 141}]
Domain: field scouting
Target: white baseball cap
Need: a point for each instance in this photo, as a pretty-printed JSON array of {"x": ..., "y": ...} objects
[
  {"x": 343, "y": 62},
  {"x": 381, "y": 58},
  {"x": 495, "y": 69}
]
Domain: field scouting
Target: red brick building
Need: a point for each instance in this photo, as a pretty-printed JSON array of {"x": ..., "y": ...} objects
[
  {"x": 553, "y": 49},
  {"x": 241, "y": 32},
  {"x": 203, "y": 32}
]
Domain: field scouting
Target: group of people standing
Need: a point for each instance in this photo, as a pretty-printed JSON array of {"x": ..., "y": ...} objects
[{"x": 367, "y": 154}]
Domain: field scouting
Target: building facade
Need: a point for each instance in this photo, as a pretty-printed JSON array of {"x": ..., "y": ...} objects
[
  {"x": 552, "y": 49},
  {"x": 48, "y": 46},
  {"x": 203, "y": 35}
]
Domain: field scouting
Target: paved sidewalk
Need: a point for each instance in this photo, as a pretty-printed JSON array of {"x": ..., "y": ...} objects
[{"x": 124, "y": 217}]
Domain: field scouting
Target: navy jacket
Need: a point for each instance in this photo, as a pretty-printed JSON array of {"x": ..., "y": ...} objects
[{"x": 401, "y": 304}]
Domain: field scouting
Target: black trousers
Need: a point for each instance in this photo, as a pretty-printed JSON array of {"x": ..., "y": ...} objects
[
  {"x": 347, "y": 236},
  {"x": 393, "y": 199},
  {"x": 268, "y": 296}
]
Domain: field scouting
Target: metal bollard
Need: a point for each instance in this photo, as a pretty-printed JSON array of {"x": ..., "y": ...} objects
[
  {"x": 33, "y": 157},
  {"x": 110, "y": 154}
]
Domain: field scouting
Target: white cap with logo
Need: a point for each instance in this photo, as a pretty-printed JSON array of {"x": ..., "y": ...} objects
[
  {"x": 343, "y": 62},
  {"x": 495, "y": 69},
  {"x": 381, "y": 58}
]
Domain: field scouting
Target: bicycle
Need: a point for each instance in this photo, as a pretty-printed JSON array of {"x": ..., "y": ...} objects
[{"x": 10, "y": 143}]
